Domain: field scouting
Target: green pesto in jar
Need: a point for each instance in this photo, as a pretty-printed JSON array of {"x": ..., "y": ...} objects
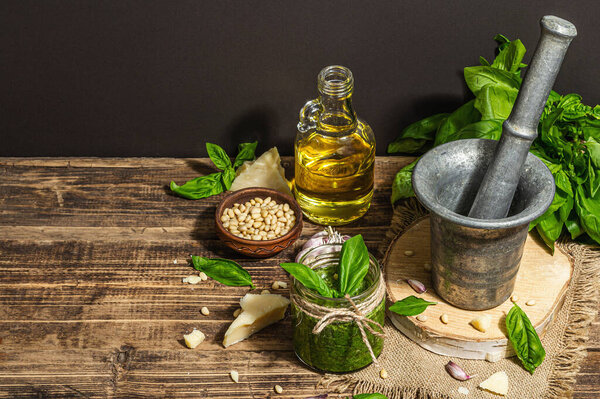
[{"x": 339, "y": 347}]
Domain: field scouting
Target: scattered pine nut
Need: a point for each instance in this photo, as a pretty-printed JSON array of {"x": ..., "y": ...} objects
[
  {"x": 383, "y": 374},
  {"x": 444, "y": 318},
  {"x": 192, "y": 279},
  {"x": 278, "y": 389},
  {"x": 409, "y": 253},
  {"x": 530, "y": 302},
  {"x": 514, "y": 298},
  {"x": 427, "y": 267},
  {"x": 275, "y": 285},
  {"x": 235, "y": 376},
  {"x": 205, "y": 311},
  {"x": 237, "y": 312},
  {"x": 265, "y": 292},
  {"x": 203, "y": 276},
  {"x": 422, "y": 317},
  {"x": 175, "y": 261}
]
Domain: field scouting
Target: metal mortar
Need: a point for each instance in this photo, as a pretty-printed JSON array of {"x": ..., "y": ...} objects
[
  {"x": 475, "y": 261},
  {"x": 483, "y": 194}
]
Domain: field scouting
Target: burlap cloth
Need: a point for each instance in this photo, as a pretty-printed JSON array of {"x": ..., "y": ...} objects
[{"x": 415, "y": 373}]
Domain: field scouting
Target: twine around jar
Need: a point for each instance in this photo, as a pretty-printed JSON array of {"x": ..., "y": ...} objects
[{"x": 357, "y": 314}]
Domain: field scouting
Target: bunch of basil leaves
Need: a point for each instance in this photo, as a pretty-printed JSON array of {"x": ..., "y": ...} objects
[
  {"x": 568, "y": 141},
  {"x": 216, "y": 183},
  {"x": 352, "y": 269}
]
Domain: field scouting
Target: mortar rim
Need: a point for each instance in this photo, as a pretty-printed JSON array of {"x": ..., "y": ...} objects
[{"x": 522, "y": 218}]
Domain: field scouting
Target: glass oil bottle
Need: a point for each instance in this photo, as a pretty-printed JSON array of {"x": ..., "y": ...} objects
[{"x": 334, "y": 153}]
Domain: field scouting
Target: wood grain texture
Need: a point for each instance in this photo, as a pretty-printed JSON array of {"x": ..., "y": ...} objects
[{"x": 92, "y": 303}]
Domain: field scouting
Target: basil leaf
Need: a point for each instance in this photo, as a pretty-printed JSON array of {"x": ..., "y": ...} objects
[
  {"x": 200, "y": 187},
  {"x": 402, "y": 185},
  {"x": 354, "y": 265},
  {"x": 245, "y": 153},
  {"x": 410, "y": 306},
  {"x": 588, "y": 210},
  {"x": 308, "y": 278},
  {"x": 228, "y": 176},
  {"x": 495, "y": 102},
  {"x": 479, "y": 76},
  {"x": 490, "y": 129},
  {"x": 416, "y": 135},
  {"x": 524, "y": 339},
  {"x": 463, "y": 116},
  {"x": 550, "y": 228},
  {"x": 218, "y": 156},
  {"x": 509, "y": 59},
  {"x": 369, "y": 396},
  {"x": 225, "y": 271}
]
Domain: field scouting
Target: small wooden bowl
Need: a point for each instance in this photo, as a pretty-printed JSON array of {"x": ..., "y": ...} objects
[{"x": 255, "y": 248}]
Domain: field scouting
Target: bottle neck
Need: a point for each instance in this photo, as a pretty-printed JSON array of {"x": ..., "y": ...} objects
[{"x": 336, "y": 85}]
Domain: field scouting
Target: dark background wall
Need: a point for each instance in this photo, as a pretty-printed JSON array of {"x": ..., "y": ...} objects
[{"x": 159, "y": 78}]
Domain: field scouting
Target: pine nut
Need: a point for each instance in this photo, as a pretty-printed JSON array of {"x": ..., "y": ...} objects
[
  {"x": 530, "y": 302},
  {"x": 383, "y": 374},
  {"x": 422, "y": 317},
  {"x": 514, "y": 298},
  {"x": 444, "y": 318},
  {"x": 205, "y": 311},
  {"x": 278, "y": 389},
  {"x": 409, "y": 253}
]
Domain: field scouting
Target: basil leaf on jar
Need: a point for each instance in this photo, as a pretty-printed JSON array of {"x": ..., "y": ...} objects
[
  {"x": 354, "y": 265},
  {"x": 200, "y": 187},
  {"x": 410, "y": 306},
  {"x": 524, "y": 339},
  {"x": 225, "y": 271},
  {"x": 308, "y": 278}
]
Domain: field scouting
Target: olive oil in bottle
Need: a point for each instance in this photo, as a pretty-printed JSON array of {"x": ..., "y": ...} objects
[{"x": 334, "y": 153}]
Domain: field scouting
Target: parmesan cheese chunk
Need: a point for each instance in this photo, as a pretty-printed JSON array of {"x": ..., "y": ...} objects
[
  {"x": 497, "y": 383},
  {"x": 194, "y": 338},
  {"x": 258, "y": 311},
  {"x": 265, "y": 171},
  {"x": 482, "y": 323}
]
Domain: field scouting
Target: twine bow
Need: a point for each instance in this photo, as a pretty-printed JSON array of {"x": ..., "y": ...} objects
[{"x": 356, "y": 314}]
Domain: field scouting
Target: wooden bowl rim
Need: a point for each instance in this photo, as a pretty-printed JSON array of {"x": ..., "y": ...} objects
[{"x": 262, "y": 192}]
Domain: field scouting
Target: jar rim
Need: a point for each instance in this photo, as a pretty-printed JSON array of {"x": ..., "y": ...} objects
[
  {"x": 331, "y": 255},
  {"x": 336, "y": 81}
]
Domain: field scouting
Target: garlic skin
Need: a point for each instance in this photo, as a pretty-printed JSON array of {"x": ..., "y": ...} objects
[
  {"x": 416, "y": 285},
  {"x": 457, "y": 372},
  {"x": 327, "y": 236}
]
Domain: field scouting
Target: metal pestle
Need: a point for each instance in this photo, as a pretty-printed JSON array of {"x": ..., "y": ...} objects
[{"x": 497, "y": 189}]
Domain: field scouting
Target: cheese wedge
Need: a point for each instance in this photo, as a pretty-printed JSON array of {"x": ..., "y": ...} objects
[
  {"x": 265, "y": 171},
  {"x": 497, "y": 383},
  {"x": 258, "y": 311}
]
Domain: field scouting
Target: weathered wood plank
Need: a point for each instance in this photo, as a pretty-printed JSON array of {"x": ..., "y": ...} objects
[{"x": 92, "y": 305}]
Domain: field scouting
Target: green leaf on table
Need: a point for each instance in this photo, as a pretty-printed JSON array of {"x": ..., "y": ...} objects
[
  {"x": 218, "y": 156},
  {"x": 200, "y": 187},
  {"x": 417, "y": 134},
  {"x": 479, "y": 76},
  {"x": 228, "y": 176},
  {"x": 463, "y": 116},
  {"x": 245, "y": 153},
  {"x": 524, "y": 339},
  {"x": 369, "y": 396},
  {"x": 308, "y": 278},
  {"x": 225, "y": 271},
  {"x": 402, "y": 184},
  {"x": 410, "y": 306},
  {"x": 354, "y": 265},
  {"x": 495, "y": 102}
]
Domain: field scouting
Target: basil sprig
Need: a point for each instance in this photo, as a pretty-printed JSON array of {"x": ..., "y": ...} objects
[
  {"x": 225, "y": 271},
  {"x": 411, "y": 306},
  {"x": 352, "y": 269},
  {"x": 369, "y": 396},
  {"x": 216, "y": 183},
  {"x": 524, "y": 339},
  {"x": 568, "y": 141},
  {"x": 309, "y": 278},
  {"x": 354, "y": 265}
]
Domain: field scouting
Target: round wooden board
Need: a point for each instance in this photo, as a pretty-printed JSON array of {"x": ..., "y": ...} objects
[{"x": 542, "y": 277}]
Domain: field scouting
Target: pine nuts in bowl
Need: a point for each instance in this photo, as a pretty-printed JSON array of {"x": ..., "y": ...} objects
[{"x": 258, "y": 222}]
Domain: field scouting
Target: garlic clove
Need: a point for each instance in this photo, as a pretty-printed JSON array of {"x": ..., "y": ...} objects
[
  {"x": 457, "y": 372},
  {"x": 416, "y": 285}
]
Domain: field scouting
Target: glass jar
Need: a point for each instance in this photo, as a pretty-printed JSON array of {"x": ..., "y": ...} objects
[
  {"x": 334, "y": 153},
  {"x": 339, "y": 347}
]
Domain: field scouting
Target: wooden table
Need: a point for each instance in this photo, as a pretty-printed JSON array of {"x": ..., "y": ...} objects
[{"x": 91, "y": 299}]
